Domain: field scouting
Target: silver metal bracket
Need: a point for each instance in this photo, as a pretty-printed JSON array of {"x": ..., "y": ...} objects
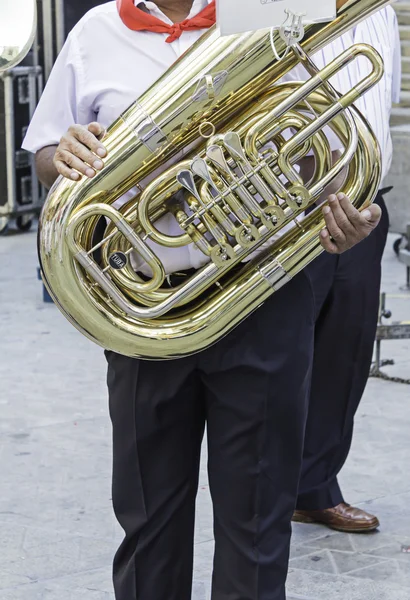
[
  {"x": 274, "y": 273},
  {"x": 292, "y": 31},
  {"x": 150, "y": 134}
]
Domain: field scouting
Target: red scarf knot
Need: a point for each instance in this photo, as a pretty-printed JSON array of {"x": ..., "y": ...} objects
[{"x": 138, "y": 20}]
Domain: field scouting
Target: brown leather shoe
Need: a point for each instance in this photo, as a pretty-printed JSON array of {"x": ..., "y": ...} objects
[{"x": 342, "y": 518}]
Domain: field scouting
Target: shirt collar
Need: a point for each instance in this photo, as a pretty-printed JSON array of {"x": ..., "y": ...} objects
[{"x": 153, "y": 9}]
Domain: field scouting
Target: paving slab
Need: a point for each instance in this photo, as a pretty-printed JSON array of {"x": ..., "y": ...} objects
[{"x": 58, "y": 534}]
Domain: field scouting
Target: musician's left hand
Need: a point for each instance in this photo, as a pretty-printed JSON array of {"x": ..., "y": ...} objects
[{"x": 345, "y": 225}]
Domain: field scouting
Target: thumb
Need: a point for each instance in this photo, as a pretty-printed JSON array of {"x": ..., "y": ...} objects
[
  {"x": 96, "y": 129},
  {"x": 372, "y": 214}
]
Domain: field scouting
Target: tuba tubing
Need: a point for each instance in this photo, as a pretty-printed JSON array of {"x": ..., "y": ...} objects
[{"x": 221, "y": 83}]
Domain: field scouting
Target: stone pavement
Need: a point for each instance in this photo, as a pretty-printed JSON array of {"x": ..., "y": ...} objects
[{"x": 57, "y": 532}]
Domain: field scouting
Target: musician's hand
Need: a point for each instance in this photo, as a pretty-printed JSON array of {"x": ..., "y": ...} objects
[
  {"x": 345, "y": 225},
  {"x": 80, "y": 151}
]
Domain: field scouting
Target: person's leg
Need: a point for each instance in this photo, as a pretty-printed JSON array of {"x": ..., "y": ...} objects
[
  {"x": 257, "y": 387},
  {"x": 344, "y": 340},
  {"x": 158, "y": 422}
]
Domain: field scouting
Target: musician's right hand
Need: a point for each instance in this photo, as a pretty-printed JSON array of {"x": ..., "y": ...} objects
[{"x": 80, "y": 152}]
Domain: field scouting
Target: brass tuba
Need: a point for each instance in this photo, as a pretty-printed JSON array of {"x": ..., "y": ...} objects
[{"x": 234, "y": 192}]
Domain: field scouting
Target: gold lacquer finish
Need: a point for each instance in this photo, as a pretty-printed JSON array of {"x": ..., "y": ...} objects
[
  {"x": 237, "y": 195},
  {"x": 18, "y": 21}
]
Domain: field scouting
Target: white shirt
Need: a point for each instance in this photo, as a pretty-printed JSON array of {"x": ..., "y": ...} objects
[{"x": 104, "y": 67}]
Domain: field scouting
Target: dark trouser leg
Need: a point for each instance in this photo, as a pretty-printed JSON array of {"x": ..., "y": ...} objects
[
  {"x": 257, "y": 387},
  {"x": 253, "y": 388},
  {"x": 158, "y": 420},
  {"x": 347, "y": 296}
]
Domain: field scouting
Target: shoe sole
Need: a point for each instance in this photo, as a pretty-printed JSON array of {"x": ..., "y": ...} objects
[{"x": 310, "y": 520}]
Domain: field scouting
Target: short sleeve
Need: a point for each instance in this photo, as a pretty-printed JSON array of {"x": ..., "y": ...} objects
[{"x": 59, "y": 104}]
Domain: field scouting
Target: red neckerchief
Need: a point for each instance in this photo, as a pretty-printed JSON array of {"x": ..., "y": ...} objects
[{"x": 138, "y": 20}]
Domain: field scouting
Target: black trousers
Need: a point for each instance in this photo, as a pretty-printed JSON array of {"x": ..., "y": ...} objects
[
  {"x": 251, "y": 391},
  {"x": 347, "y": 291}
]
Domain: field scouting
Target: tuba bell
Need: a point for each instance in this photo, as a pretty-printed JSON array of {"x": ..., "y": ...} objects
[
  {"x": 18, "y": 24},
  {"x": 236, "y": 194}
]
